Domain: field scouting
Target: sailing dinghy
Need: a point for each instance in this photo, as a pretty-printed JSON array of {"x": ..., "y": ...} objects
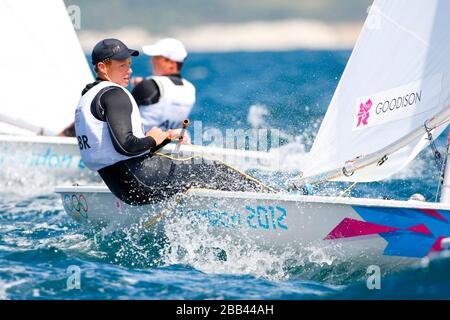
[
  {"x": 392, "y": 100},
  {"x": 44, "y": 72}
]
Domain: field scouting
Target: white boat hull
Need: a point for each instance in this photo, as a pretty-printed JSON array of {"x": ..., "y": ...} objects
[
  {"x": 40, "y": 162},
  {"x": 372, "y": 230},
  {"x": 35, "y": 163}
]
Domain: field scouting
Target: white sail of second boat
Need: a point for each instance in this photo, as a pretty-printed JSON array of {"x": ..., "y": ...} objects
[{"x": 43, "y": 66}]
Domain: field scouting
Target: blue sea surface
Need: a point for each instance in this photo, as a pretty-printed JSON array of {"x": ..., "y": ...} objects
[{"x": 289, "y": 91}]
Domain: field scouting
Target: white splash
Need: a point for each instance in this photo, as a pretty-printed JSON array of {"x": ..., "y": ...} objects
[
  {"x": 200, "y": 245},
  {"x": 256, "y": 115}
]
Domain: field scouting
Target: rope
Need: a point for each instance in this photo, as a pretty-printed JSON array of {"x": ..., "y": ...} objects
[
  {"x": 441, "y": 179},
  {"x": 348, "y": 189},
  {"x": 152, "y": 221},
  {"x": 441, "y": 176},
  {"x": 437, "y": 155},
  {"x": 440, "y": 164},
  {"x": 249, "y": 177}
]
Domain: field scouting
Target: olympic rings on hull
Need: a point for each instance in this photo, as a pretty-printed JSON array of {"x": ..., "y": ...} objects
[{"x": 76, "y": 204}]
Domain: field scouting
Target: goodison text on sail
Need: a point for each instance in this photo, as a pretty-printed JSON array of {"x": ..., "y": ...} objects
[{"x": 397, "y": 103}]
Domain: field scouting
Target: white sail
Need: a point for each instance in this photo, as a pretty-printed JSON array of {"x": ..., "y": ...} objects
[
  {"x": 43, "y": 66},
  {"x": 397, "y": 77}
]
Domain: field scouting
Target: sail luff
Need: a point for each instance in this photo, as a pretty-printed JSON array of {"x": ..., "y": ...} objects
[{"x": 378, "y": 157}]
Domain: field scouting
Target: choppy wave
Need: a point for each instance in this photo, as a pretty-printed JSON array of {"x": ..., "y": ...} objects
[{"x": 39, "y": 242}]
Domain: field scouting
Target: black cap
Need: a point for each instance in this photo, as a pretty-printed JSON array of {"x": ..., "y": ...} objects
[{"x": 111, "y": 49}]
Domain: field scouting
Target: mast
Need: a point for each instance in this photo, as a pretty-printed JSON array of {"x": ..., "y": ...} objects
[{"x": 445, "y": 191}]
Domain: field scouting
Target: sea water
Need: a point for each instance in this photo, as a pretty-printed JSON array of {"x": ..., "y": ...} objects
[{"x": 44, "y": 254}]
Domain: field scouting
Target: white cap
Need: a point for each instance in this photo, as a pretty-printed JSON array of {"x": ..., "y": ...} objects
[{"x": 170, "y": 48}]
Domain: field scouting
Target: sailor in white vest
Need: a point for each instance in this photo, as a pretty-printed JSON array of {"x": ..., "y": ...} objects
[
  {"x": 165, "y": 99},
  {"x": 112, "y": 141}
]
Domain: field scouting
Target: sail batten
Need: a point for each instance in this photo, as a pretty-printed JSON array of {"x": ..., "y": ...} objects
[{"x": 397, "y": 78}]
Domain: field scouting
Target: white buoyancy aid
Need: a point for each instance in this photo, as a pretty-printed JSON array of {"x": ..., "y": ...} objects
[
  {"x": 174, "y": 105},
  {"x": 94, "y": 139}
]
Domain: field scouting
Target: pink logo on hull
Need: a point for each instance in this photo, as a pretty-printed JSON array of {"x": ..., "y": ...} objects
[{"x": 363, "y": 114}]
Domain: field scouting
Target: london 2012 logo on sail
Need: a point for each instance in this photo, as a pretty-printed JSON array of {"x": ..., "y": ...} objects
[
  {"x": 363, "y": 114},
  {"x": 386, "y": 106},
  {"x": 396, "y": 104}
]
